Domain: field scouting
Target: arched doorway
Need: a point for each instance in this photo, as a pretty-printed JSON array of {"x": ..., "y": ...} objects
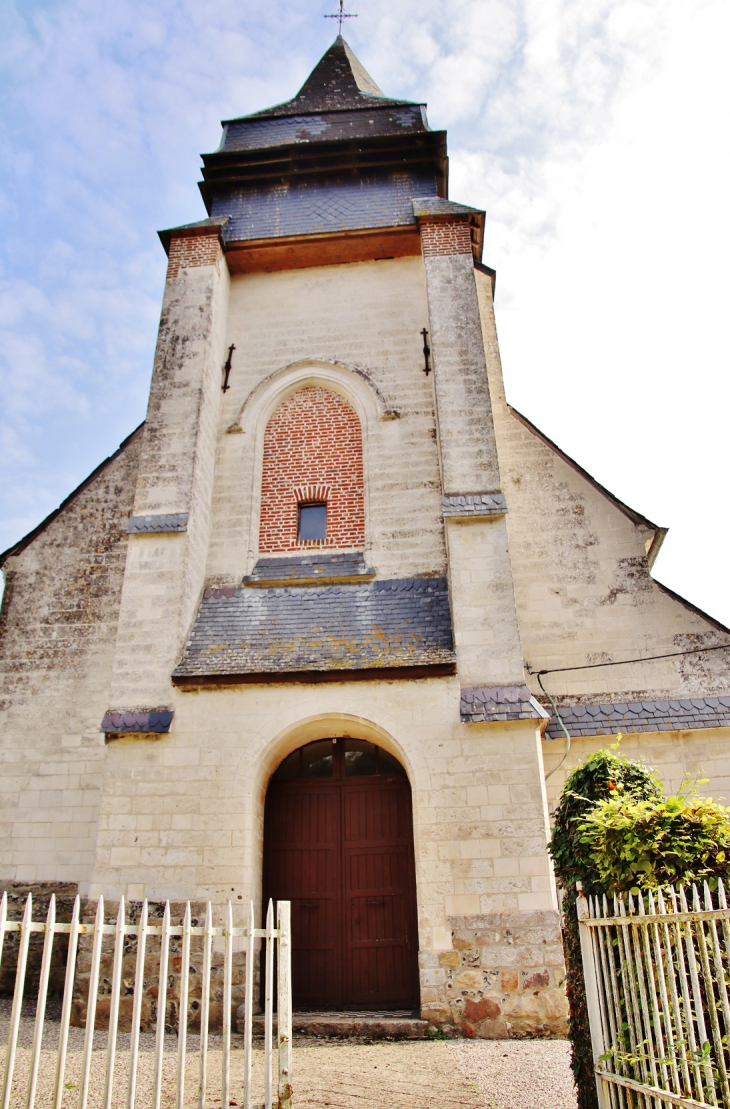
[{"x": 338, "y": 844}]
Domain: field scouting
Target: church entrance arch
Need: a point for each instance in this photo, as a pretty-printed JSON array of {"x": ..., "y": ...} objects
[{"x": 338, "y": 844}]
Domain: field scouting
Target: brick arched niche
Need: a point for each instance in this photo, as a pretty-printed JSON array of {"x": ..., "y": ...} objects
[{"x": 312, "y": 454}]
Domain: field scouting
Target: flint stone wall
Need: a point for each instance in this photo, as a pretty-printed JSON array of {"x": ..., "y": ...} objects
[
  {"x": 41, "y": 892},
  {"x": 156, "y": 910}
]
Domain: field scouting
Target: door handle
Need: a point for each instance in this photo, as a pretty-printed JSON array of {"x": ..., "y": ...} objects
[
  {"x": 374, "y": 900},
  {"x": 310, "y": 904}
]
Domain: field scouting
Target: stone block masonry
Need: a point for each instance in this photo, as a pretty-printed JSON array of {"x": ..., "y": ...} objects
[
  {"x": 57, "y": 635},
  {"x": 165, "y": 571},
  {"x": 464, "y": 409},
  {"x": 65, "y": 894},
  {"x": 502, "y": 979},
  {"x": 312, "y": 451},
  {"x": 364, "y": 316},
  {"x": 41, "y": 893}
]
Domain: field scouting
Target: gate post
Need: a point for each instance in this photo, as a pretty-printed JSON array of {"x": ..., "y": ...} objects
[
  {"x": 590, "y": 972},
  {"x": 284, "y": 1017}
]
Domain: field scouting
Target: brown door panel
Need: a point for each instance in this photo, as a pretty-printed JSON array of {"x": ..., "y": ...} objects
[
  {"x": 380, "y": 979},
  {"x": 341, "y": 850},
  {"x": 373, "y": 814}
]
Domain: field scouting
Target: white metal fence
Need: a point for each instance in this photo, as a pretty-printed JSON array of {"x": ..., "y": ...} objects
[
  {"x": 168, "y": 1086},
  {"x": 657, "y": 971}
]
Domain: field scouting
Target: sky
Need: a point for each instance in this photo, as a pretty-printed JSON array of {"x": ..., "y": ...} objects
[{"x": 593, "y": 132}]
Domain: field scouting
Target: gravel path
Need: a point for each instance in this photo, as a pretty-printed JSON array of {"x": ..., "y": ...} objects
[
  {"x": 328, "y": 1074},
  {"x": 518, "y": 1074}
]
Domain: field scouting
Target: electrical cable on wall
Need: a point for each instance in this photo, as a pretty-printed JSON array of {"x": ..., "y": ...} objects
[
  {"x": 595, "y": 665},
  {"x": 628, "y": 661},
  {"x": 560, "y": 721}
]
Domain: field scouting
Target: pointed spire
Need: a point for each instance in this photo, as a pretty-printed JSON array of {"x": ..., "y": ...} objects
[{"x": 338, "y": 81}]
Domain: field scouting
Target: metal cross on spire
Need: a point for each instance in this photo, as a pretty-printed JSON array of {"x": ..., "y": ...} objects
[{"x": 341, "y": 14}]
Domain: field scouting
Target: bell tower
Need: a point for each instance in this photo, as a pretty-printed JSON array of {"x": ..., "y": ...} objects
[{"x": 318, "y": 547}]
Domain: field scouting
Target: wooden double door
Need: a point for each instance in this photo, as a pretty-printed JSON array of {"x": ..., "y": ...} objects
[{"x": 338, "y": 844}]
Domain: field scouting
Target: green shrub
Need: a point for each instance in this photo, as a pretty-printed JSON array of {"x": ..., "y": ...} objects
[
  {"x": 646, "y": 843},
  {"x": 601, "y": 776}
]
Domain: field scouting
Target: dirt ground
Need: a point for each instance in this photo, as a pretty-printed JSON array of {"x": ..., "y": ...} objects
[
  {"x": 327, "y": 1074},
  {"x": 455, "y": 1074}
]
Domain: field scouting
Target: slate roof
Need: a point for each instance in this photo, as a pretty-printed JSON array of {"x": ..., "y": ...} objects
[
  {"x": 318, "y": 206},
  {"x": 514, "y": 702},
  {"x": 339, "y": 156},
  {"x": 642, "y": 716},
  {"x": 297, "y": 569},
  {"x": 262, "y": 134},
  {"x": 307, "y": 629},
  {"x": 155, "y": 722},
  {"x": 476, "y": 504},
  {"x": 338, "y": 81},
  {"x": 169, "y": 521}
]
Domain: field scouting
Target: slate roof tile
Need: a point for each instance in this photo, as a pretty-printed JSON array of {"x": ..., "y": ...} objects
[
  {"x": 156, "y": 722},
  {"x": 338, "y": 82},
  {"x": 474, "y": 504},
  {"x": 296, "y": 569},
  {"x": 177, "y": 521},
  {"x": 642, "y": 716},
  {"x": 482, "y": 703},
  {"x": 318, "y": 206},
  {"x": 289, "y": 629}
]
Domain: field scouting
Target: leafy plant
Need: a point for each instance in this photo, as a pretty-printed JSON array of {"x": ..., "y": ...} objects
[
  {"x": 601, "y": 776},
  {"x": 643, "y": 843}
]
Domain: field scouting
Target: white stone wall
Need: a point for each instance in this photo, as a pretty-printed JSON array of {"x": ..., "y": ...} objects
[
  {"x": 164, "y": 576},
  {"x": 486, "y": 633},
  {"x": 182, "y": 816},
  {"x": 674, "y": 756}
]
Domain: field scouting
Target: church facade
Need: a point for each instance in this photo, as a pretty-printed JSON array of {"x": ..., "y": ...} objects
[{"x": 285, "y": 641}]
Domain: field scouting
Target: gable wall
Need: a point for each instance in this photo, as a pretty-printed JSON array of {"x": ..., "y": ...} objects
[
  {"x": 57, "y": 638},
  {"x": 675, "y": 756}
]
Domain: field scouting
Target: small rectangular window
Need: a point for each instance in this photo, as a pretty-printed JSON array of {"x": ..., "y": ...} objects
[{"x": 312, "y": 521}]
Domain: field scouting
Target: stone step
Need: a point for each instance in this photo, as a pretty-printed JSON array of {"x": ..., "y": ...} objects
[{"x": 366, "y": 1025}]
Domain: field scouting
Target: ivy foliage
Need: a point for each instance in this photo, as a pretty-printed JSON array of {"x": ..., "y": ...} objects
[
  {"x": 639, "y": 844},
  {"x": 598, "y": 778}
]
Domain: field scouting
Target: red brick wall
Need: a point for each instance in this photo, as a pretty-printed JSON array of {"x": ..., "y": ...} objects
[
  {"x": 441, "y": 237},
  {"x": 312, "y": 451},
  {"x": 192, "y": 250}
]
